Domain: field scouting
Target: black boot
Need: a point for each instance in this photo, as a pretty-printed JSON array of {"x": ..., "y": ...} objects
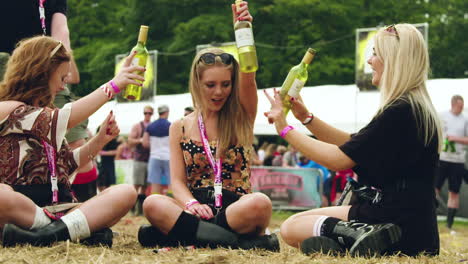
[
  {"x": 266, "y": 242},
  {"x": 53, "y": 232},
  {"x": 102, "y": 237},
  {"x": 211, "y": 235},
  {"x": 364, "y": 239},
  {"x": 321, "y": 244},
  {"x": 150, "y": 236}
]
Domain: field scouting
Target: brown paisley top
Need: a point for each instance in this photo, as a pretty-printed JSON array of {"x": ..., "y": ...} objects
[
  {"x": 23, "y": 160},
  {"x": 235, "y": 166}
]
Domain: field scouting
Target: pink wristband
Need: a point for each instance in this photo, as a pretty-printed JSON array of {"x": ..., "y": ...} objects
[
  {"x": 190, "y": 203},
  {"x": 286, "y": 130},
  {"x": 114, "y": 87}
]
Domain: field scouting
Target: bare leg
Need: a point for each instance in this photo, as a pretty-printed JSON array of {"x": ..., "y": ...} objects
[
  {"x": 106, "y": 209},
  {"x": 15, "y": 208},
  {"x": 156, "y": 188},
  {"x": 453, "y": 200},
  {"x": 299, "y": 227},
  {"x": 251, "y": 213},
  {"x": 162, "y": 212}
]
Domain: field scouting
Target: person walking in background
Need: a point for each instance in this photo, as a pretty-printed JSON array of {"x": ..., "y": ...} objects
[
  {"x": 452, "y": 157},
  {"x": 140, "y": 158},
  {"x": 278, "y": 159},
  {"x": 124, "y": 152},
  {"x": 106, "y": 166},
  {"x": 269, "y": 154},
  {"x": 156, "y": 138},
  {"x": 290, "y": 157},
  {"x": 395, "y": 157}
]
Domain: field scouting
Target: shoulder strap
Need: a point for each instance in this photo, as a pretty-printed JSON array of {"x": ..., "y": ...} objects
[{"x": 183, "y": 128}]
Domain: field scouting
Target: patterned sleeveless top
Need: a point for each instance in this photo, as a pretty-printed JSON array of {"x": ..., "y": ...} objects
[{"x": 235, "y": 166}]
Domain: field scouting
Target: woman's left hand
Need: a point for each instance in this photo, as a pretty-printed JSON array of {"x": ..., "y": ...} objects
[
  {"x": 108, "y": 129},
  {"x": 242, "y": 14},
  {"x": 276, "y": 115}
]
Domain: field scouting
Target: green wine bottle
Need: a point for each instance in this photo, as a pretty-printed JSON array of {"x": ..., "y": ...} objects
[
  {"x": 295, "y": 80},
  {"x": 245, "y": 44},
  {"x": 133, "y": 92}
]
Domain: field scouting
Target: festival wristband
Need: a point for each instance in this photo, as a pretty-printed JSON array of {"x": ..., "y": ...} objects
[
  {"x": 190, "y": 203},
  {"x": 309, "y": 119},
  {"x": 286, "y": 130},
  {"x": 114, "y": 87}
]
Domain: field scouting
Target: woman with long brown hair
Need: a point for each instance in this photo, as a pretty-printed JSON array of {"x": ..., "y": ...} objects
[{"x": 36, "y": 160}]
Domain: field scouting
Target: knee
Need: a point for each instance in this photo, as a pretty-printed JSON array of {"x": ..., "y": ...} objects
[
  {"x": 126, "y": 193},
  {"x": 287, "y": 232},
  {"x": 259, "y": 205},
  {"x": 5, "y": 188},
  {"x": 155, "y": 206}
]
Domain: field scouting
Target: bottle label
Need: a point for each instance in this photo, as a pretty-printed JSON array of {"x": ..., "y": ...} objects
[
  {"x": 296, "y": 88},
  {"x": 244, "y": 37}
]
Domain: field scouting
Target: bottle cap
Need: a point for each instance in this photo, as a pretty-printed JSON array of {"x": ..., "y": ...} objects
[{"x": 309, "y": 56}]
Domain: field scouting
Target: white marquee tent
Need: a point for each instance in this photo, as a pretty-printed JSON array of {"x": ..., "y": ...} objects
[{"x": 342, "y": 106}]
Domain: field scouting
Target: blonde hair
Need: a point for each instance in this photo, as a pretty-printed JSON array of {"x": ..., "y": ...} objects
[
  {"x": 406, "y": 67},
  {"x": 29, "y": 69},
  {"x": 234, "y": 124}
]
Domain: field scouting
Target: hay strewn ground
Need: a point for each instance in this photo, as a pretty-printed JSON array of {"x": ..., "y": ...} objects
[{"x": 127, "y": 250}]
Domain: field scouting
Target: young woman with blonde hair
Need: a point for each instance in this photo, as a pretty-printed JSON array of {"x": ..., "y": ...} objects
[
  {"x": 395, "y": 157},
  {"x": 35, "y": 158},
  {"x": 210, "y": 149}
]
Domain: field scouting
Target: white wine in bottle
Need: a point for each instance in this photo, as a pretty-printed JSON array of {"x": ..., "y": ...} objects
[
  {"x": 245, "y": 44},
  {"x": 133, "y": 92},
  {"x": 295, "y": 80}
]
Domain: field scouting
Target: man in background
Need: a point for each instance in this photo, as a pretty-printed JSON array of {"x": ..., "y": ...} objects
[
  {"x": 156, "y": 138},
  {"x": 452, "y": 157},
  {"x": 140, "y": 157}
]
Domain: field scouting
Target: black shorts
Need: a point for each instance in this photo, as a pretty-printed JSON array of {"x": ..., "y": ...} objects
[
  {"x": 452, "y": 171},
  {"x": 41, "y": 194},
  {"x": 85, "y": 191}
]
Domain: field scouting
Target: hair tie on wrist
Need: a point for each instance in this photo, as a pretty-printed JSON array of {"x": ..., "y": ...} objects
[
  {"x": 309, "y": 119},
  {"x": 286, "y": 130},
  {"x": 114, "y": 87},
  {"x": 107, "y": 91}
]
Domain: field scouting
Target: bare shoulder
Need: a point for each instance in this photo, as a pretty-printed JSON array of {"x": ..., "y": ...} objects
[{"x": 6, "y": 107}]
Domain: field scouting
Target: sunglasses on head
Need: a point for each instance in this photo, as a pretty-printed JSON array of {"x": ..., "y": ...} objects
[
  {"x": 210, "y": 58},
  {"x": 148, "y": 113},
  {"x": 392, "y": 30}
]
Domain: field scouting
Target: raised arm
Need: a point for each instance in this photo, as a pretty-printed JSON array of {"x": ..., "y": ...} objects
[
  {"x": 89, "y": 104},
  {"x": 247, "y": 84},
  {"x": 323, "y": 131},
  {"x": 325, "y": 154}
]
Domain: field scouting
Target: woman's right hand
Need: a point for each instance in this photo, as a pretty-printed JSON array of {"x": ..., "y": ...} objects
[
  {"x": 201, "y": 210},
  {"x": 298, "y": 109},
  {"x": 127, "y": 74}
]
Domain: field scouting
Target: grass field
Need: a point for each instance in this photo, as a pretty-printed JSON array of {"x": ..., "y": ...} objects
[{"x": 126, "y": 249}]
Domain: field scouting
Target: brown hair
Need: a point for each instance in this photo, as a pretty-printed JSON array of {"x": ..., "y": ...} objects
[
  {"x": 234, "y": 124},
  {"x": 29, "y": 69}
]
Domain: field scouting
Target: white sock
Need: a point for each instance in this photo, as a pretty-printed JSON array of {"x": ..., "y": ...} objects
[
  {"x": 318, "y": 225},
  {"x": 40, "y": 219},
  {"x": 77, "y": 224}
]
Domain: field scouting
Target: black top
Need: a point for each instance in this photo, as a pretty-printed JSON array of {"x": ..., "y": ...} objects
[
  {"x": 390, "y": 152},
  {"x": 391, "y": 156},
  {"x": 20, "y": 19}
]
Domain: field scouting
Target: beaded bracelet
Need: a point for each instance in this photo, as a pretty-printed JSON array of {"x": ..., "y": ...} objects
[
  {"x": 286, "y": 130},
  {"x": 114, "y": 87},
  {"x": 190, "y": 203}
]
